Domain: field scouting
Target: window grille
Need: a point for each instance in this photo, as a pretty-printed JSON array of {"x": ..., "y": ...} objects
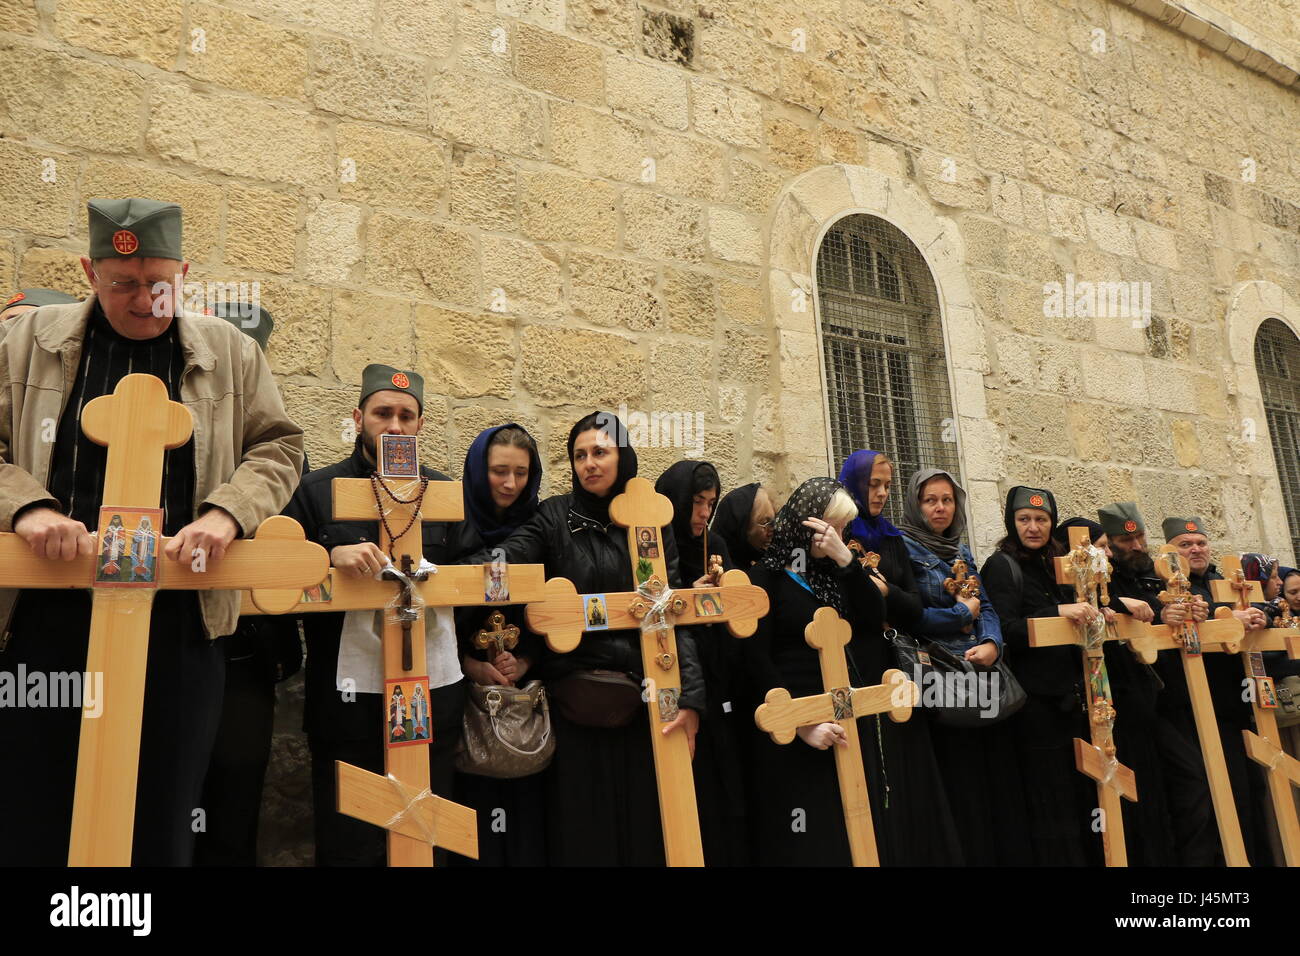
[
  {"x": 1277, "y": 362},
  {"x": 882, "y": 345}
]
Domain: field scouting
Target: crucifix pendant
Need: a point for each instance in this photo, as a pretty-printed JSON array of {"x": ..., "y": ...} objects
[{"x": 407, "y": 613}]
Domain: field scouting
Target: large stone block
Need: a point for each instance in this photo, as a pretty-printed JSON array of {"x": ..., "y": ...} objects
[
  {"x": 239, "y": 136},
  {"x": 607, "y": 21},
  {"x": 327, "y": 14},
  {"x": 424, "y": 27},
  {"x": 261, "y": 229},
  {"x": 738, "y": 59},
  {"x": 793, "y": 147},
  {"x": 392, "y": 168},
  {"x": 484, "y": 191},
  {"x": 423, "y": 259},
  {"x": 467, "y": 355},
  {"x": 520, "y": 276},
  {"x": 613, "y": 292},
  {"x": 567, "y": 366},
  {"x": 333, "y": 243},
  {"x": 660, "y": 227},
  {"x": 667, "y": 37},
  {"x": 655, "y": 92},
  {"x": 246, "y": 53},
  {"x": 557, "y": 207},
  {"x": 746, "y": 358},
  {"x": 680, "y": 377},
  {"x": 8, "y": 266},
  {"x": 1034, "y": 426},
  {"x": 688, "y": 301},
  {"x": 486, "y": 42},
  {"x": 690, "y": 167},
  {"x": 734, "y": 237},
  {"x": 151, "y": 34},
  {"x": 53, "y": 269},
  {"x": 38, "y": 188},
  {"x": 66, "y": 100},
  {"x": 557, "y": 64},
  {"x": 733, "y": 116},
  {"x": 352, "y": 80},
  {"x": 470, "y": 109},
  {"x": 753, "y": 186},
  {"x": 324, "y": 413},
  {"x": 301, "y": 339},
  {"x": 368, "y": 328},
  {"x": 740, "y": 302},
  {"x": 598, "y": 144},
  {"x": 19, "y": 16}
]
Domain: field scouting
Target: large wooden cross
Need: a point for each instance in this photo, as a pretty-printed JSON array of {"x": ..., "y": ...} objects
[
  {"x": 138, "y": 423},
  {"x": 1086, "y": 569},
  {"x": 1191, "y": 640},
  {"x": 841, "y": 703},
  {"x": 400, "y": 800},
  {"x": 1263, "y": 745},
  {"x": 561, "y": 618}
]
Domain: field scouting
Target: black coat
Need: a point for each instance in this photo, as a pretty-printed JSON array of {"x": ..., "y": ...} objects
[
  {"x": 325, "y": 711},
  {"x": 595, "y": 558}
]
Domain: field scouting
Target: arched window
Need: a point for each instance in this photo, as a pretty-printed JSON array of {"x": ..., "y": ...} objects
[
  {"x": 1277, "y": 361},
  {"x": 882, "y": 345}
]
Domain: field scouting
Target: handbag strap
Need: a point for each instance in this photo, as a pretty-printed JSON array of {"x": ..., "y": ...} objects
[{"x": 546, "y": 735}]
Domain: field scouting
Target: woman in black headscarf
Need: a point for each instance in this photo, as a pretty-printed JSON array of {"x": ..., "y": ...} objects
[
  {"x": 602, "y": 803},
  {"x": 1020, "y": 581},
  {"x": 693, "y": 487},
  {"x": 808, "y": 566},
  {"x": 744, "y": 520},
  {"x": 503, "y": 473}
]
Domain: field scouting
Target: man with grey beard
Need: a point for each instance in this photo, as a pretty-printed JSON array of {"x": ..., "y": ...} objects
[{"x": 1176, "y": 794}]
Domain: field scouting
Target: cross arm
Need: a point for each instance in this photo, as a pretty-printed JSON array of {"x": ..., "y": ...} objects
[
  {"x": 1264, "y": 751},
  {"x": 354, "y": 499},
  {"x": 1052, "y": 632},
  {"x": 385, "y": 803},
  {"x": 1092, "y": 762},
  {"x": 780, "y": 715}
]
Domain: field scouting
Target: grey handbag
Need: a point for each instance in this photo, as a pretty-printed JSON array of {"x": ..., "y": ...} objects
[{"x": 507, "y": 731}]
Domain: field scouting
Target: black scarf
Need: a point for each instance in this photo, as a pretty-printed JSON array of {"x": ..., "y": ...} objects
[
  {"x": 731, "y": 523},
  {"x": 676, "y": 485},
  {"x": 791, "y": 537},
  {"x": 594, "y": 507}
]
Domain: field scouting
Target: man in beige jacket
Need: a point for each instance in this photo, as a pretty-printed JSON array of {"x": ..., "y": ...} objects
[{"x": 240, "y": 466}]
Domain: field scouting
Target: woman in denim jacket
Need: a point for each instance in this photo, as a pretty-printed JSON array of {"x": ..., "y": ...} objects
[{"x": 979, "y": 765}]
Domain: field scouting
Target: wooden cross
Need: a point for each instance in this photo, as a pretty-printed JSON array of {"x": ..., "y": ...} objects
[
  {"x": 841, "y": 703},
  {"x": 738, "y": 604},
  {"x": 868, "y": 559},
  {"x": 138, "y": 423},
  {"x": 1087, "y": 570},
  {"x": 1263, "y": 745},
  {"x": 1190, "y": 640},
  {"x": 962, "y": 585},
  {"x": 497, "y": 634},
  {"x": 400, "y": 800}
]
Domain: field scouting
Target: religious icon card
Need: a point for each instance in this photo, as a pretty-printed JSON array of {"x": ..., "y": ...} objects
[
  {"x": 496, "y": 583},
  {"x": 127, "y": 551},
  {"x": 406, "y": 712},
  {"x": 596, "y": 611},
  {"x": 321, "y": 593},
  {"x": 1256, "y": 660},
  {"x": 708, "y": 604},
  {"x": 399, "y": 457},
  {"x": 1267, "y": 696},
  {"x": 647, "y": 543}
]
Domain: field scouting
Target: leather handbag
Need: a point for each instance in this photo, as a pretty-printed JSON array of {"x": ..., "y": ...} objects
[
  {"x": 507, "y": 731},
  {"x": 597, "y": 698},
  {"x": 954, "y": 691}
]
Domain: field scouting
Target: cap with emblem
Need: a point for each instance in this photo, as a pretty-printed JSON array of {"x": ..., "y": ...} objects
[
  {"x": 134, "y": 227},
  {"x": 253, "y": 320},
  {"x": 36, "y": 298},
  {"x": 1025, "y": 497},
  {"x": 384, "y": 378},
  {"x": 1122, "y": 517},
  {"x": 1173, "y": 527}
]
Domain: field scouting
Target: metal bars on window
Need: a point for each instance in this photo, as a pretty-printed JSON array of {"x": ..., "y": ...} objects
[
  {"x": 1277, "y": 362},
  {"x": 882, "y": 344}
]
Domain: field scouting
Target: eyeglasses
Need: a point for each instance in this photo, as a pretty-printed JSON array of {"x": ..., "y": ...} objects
[
  {"x": 764, "y": 524},
  {"x": 156, "y": 288}
]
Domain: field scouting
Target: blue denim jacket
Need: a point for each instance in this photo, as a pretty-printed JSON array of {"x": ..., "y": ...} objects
[{"x": 942, "y": 617}]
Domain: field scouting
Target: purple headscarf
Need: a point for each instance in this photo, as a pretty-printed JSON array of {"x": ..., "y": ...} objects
[{"x": 856, "y": 477}]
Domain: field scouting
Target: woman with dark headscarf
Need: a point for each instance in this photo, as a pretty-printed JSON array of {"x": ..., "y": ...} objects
[
  {"x": 693, "y": 487},
  {"x": 744, "y": 520},
  {"x": 602, "y": 803},
  {"x": 808, "y": 566},
  {"x": 503, "y": 473},
  {"x": 978, "y": 765},
  {"x": 1020, "y": 582}
]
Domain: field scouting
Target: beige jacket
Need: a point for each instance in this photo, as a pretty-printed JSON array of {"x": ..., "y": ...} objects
[{"x": 247, "y": 453}]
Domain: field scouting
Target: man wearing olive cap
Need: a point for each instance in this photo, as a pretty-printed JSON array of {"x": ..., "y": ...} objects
[
  {"x": 240, "y": 466},
  {"x": 1223, "y": 673},
  {"x": 344, "y": 712},
  {"x": 28, "y": 300}
]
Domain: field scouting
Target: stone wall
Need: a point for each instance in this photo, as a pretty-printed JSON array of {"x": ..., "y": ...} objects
[{"x": 552, "y": 205}]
